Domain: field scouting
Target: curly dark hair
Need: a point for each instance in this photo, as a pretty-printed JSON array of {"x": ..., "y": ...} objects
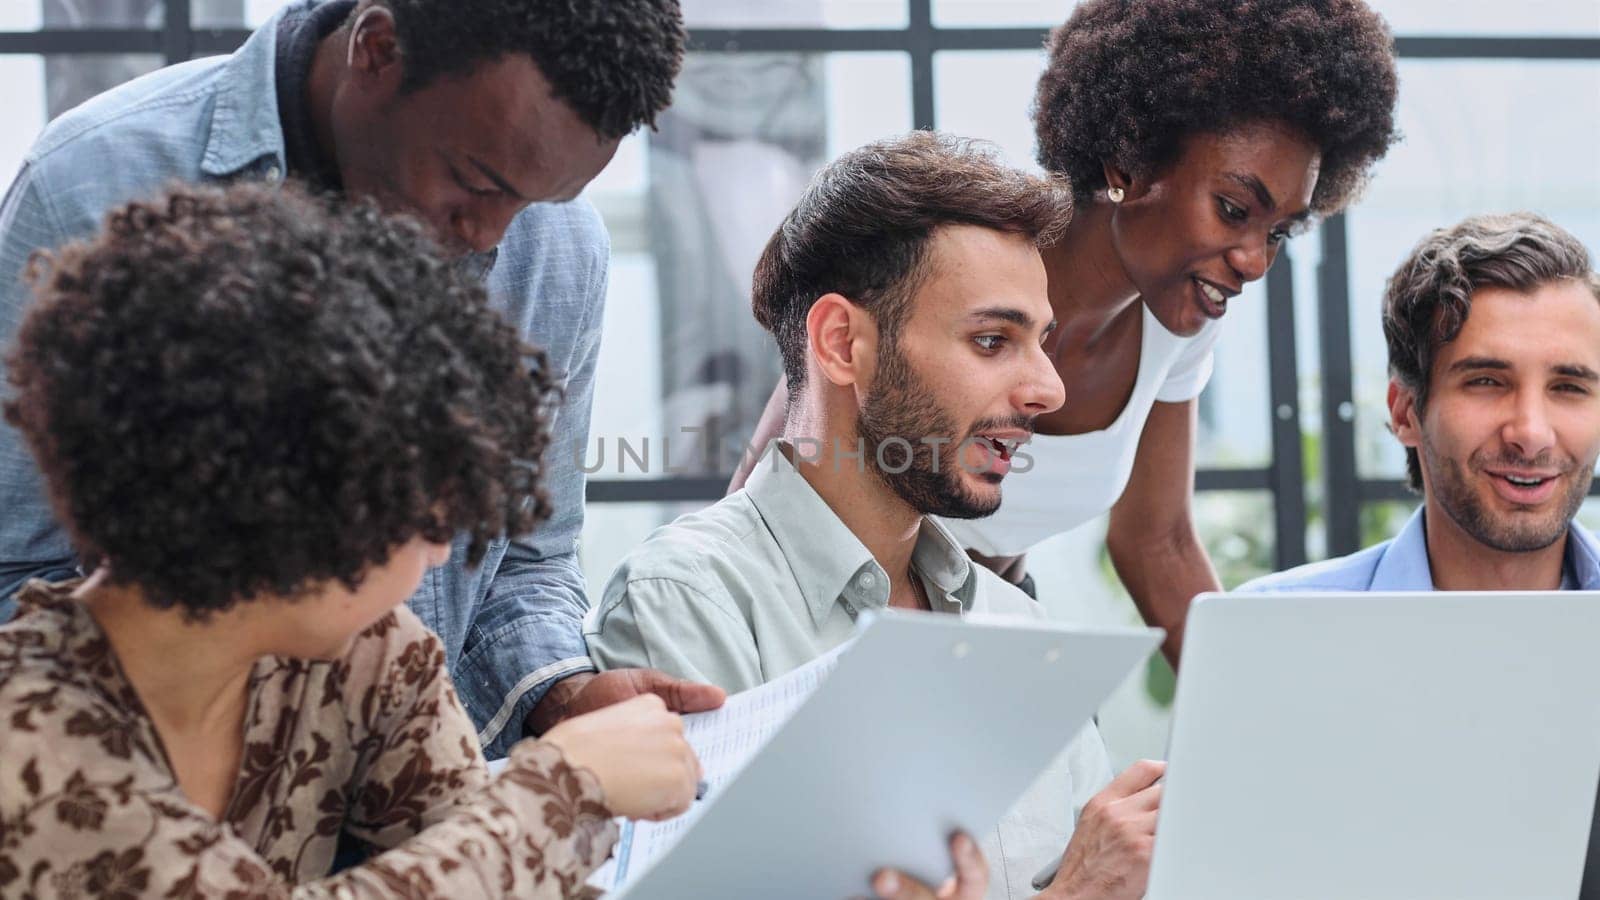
[
  {"x": 612, "y": 61},
  {"x": 863, "y": 226},
  {"x": 246, "y": 391},
  {"x": 1128, "y": 80},
  {"x": 1428, "y": 298}
]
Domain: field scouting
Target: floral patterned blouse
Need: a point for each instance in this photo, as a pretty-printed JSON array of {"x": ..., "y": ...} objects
[{"x": 374, "y": 745}]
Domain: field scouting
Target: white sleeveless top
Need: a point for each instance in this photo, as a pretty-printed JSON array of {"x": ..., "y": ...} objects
[{"x": 1066, "y": 480}]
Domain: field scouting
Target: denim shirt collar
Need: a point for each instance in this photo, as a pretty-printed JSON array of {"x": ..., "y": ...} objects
[
  {"x": 1405, "y": 566},
  {"x": 245, "y": 126},
  {"x": 831, "y": 564}
]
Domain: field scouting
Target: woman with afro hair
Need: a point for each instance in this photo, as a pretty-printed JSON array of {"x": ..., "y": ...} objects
[
  {"x": 262, "y": 419},
  {"x": 1198, "y": 136}
]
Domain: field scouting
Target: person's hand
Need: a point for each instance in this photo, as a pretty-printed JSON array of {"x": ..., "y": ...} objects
[
  {"x": 586, "y": 692},
  {"x": 637, "y": 751},
  {"x": 1108, "y": 857},
  {"x": 969, "y": 883}
]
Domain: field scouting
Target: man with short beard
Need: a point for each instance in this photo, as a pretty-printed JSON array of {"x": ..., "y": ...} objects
[
  {"x": 1493, "y": 328},
  {"x": 908, "y": 299}
]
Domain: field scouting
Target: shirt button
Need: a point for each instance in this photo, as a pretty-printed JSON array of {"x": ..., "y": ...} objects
[
  {"x": 866, "y": 580},
  {"x": 274, "y": 174}
]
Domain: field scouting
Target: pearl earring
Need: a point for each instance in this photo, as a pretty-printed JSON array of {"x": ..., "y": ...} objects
[{"x": 1115, "y": 194}]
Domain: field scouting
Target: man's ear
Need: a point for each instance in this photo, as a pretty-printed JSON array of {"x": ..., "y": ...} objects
[
  {"x": 841, "y": 339},
  {"x": 1404, "y": 420},
  {"x": 373, "y": 50}
]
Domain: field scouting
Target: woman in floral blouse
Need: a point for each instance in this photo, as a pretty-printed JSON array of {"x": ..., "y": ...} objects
[{"x": 262, "y": 419}]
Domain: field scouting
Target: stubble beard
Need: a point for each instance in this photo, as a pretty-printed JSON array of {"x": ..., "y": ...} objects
[
  {"x": 1511, "y": 534},
  {"x": 901, "y": 406}
]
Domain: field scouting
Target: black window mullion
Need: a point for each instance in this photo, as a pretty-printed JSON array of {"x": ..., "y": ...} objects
[
  {"x": 1283, "y": 367},
  {"x": 1338, "y": 394},
  {"x": 920, "y": 36},
  {"x": 61, "y": 41},
  {"x": 177, "y": 34}
]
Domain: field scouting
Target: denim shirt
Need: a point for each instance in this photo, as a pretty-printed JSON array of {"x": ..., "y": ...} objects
[
  {"x": 513, "y": 625},
  {"x": 1402, "y": 564}
]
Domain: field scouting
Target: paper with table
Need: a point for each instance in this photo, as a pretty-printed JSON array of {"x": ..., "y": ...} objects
[
  {"x": 873, "y": 755},
  {"x": 725, "y": 740}
]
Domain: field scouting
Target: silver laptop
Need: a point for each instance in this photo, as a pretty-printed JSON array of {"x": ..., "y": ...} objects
[{"x": 1382, "y": 746}]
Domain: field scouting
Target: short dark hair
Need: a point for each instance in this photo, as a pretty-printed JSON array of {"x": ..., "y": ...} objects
[
  {"x": 863, "y": 226},
  {"x": 1128, "y": 80},
  {"x": 247, "y": 391},
  {"x": 612, "y": 61},
  {"x": 1429, "y": 297}
]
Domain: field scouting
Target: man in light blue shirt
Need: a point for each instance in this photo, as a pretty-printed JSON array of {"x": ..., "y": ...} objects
[
  {"x": 1493, "y": 329},
  {"x": 485, "y": 120}
]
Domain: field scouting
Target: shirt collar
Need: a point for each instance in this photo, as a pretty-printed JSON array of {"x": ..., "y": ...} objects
[
  {"x": 64, "y": 629},
  {"x": 1405, "y": 567},
  {"x": 245, "y": 127},
  {"x": 830, "y": 563}
]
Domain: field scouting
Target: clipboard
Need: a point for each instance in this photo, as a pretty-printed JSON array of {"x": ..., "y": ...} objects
[{"x": 929, "y": 723}]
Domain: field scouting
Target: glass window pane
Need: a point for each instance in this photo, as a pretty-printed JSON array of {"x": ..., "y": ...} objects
[
  {"x": 29, "y": 15},
  {"x": 1451, "y": 17},
  {"x": 1381, "y": 520},
  {"x": 1489, "y": 136},
  {"x": 1406, "y": 17},
  {"x": 987, "y": 94},
  {"x": 696, "y": 13},
  {"x": 795, "y": 14},
  {"x": 220, "y": 13},
  {"x": 1235, "y": 407},
  {"x": 868, "y": 97},
  {"x": 628, "y": 375},
  {"x": 610, "y": 531},
  {"x": 234, "y": 13},
  {"x": 690, "y": 208},
  {"x": 1000, "y": 13},
  {"x": 22, "y": 93},
  {"x": 1589, "y": 514},
  {"x": 35, "y": 89}
]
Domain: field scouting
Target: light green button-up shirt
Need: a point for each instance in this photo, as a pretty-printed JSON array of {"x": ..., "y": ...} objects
[{"x": 769, "y": 578}]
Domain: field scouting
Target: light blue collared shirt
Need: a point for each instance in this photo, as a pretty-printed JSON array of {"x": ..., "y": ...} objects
[
  {"x": 512, "y": 626},
  {"x": 1402, "y": 564}
]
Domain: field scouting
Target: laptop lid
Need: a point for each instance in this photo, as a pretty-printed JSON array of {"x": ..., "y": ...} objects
[{"x": 1382, "y": 746}]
